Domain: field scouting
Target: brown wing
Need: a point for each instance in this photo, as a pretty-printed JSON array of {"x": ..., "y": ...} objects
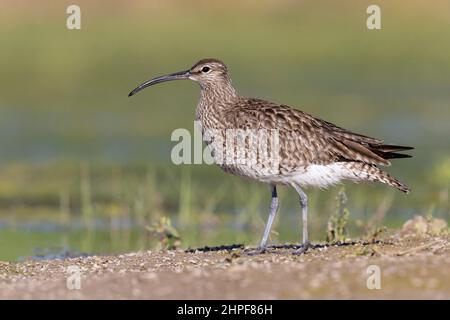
[
  {"x": 376, "y": 146},
  {"x": 306, "y": 140}
]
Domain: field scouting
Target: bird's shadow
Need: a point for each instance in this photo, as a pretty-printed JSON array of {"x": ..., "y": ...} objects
[{"x": 281, "y": 248}]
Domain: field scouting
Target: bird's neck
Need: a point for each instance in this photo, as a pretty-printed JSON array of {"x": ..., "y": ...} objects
[
  {"x": 214, "y": 100},
  {"x": 215, "y": 91}
]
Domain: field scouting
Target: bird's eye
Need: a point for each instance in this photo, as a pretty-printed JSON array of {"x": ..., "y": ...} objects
[{"x": 206, "y": 69}]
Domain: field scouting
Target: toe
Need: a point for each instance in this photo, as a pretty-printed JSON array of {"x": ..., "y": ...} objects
[{"x": 301, "y": 250}]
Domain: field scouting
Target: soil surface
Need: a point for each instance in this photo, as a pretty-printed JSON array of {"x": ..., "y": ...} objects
[{"x": 410, "y": 268}]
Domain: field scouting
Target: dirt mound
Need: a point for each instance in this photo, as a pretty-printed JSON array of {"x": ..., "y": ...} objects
[{"x": 409, "y": 268}]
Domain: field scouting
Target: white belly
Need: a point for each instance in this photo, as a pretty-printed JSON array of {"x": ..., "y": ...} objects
[{"x": 320, "y": 176}]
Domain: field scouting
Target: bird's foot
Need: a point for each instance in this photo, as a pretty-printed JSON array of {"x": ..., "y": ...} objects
[
  {"x": 257, "y": 251},
  {"x": 302, "y": 249}
]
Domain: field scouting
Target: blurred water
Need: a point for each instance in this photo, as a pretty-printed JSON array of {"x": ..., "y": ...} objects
[{"x": 42, "y": 137}]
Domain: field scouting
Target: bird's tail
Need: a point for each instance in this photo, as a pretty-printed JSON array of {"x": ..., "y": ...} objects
[
  {"x": 393, "y": 182},
  {"x": 371, "y": 172}
]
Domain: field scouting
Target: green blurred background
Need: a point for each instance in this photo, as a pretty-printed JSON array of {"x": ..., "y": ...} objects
[{"x": 85, "y": 169}]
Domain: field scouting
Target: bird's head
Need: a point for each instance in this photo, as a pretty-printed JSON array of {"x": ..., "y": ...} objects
[{"x": 207, "y": 72}]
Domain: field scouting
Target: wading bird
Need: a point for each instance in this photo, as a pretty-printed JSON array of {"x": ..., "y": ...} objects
[{"x": 311, "y": 152}]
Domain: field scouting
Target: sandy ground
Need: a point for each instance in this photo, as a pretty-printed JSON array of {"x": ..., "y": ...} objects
[{"x": 410, "y": 268}]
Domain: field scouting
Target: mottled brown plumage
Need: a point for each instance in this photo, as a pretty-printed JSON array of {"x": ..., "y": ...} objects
[{"x": 311, "y": 151}]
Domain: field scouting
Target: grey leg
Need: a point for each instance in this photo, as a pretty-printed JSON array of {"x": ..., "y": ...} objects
[
  {"x": 273, "y": 211},
  {"x": 304, "y": 205}
]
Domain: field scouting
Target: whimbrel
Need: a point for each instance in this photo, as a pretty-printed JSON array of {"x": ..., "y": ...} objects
[{"x": 311, "y": 152}]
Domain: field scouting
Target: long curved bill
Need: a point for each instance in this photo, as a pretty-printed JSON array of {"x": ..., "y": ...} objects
[{"x": 173, "y": 76}]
